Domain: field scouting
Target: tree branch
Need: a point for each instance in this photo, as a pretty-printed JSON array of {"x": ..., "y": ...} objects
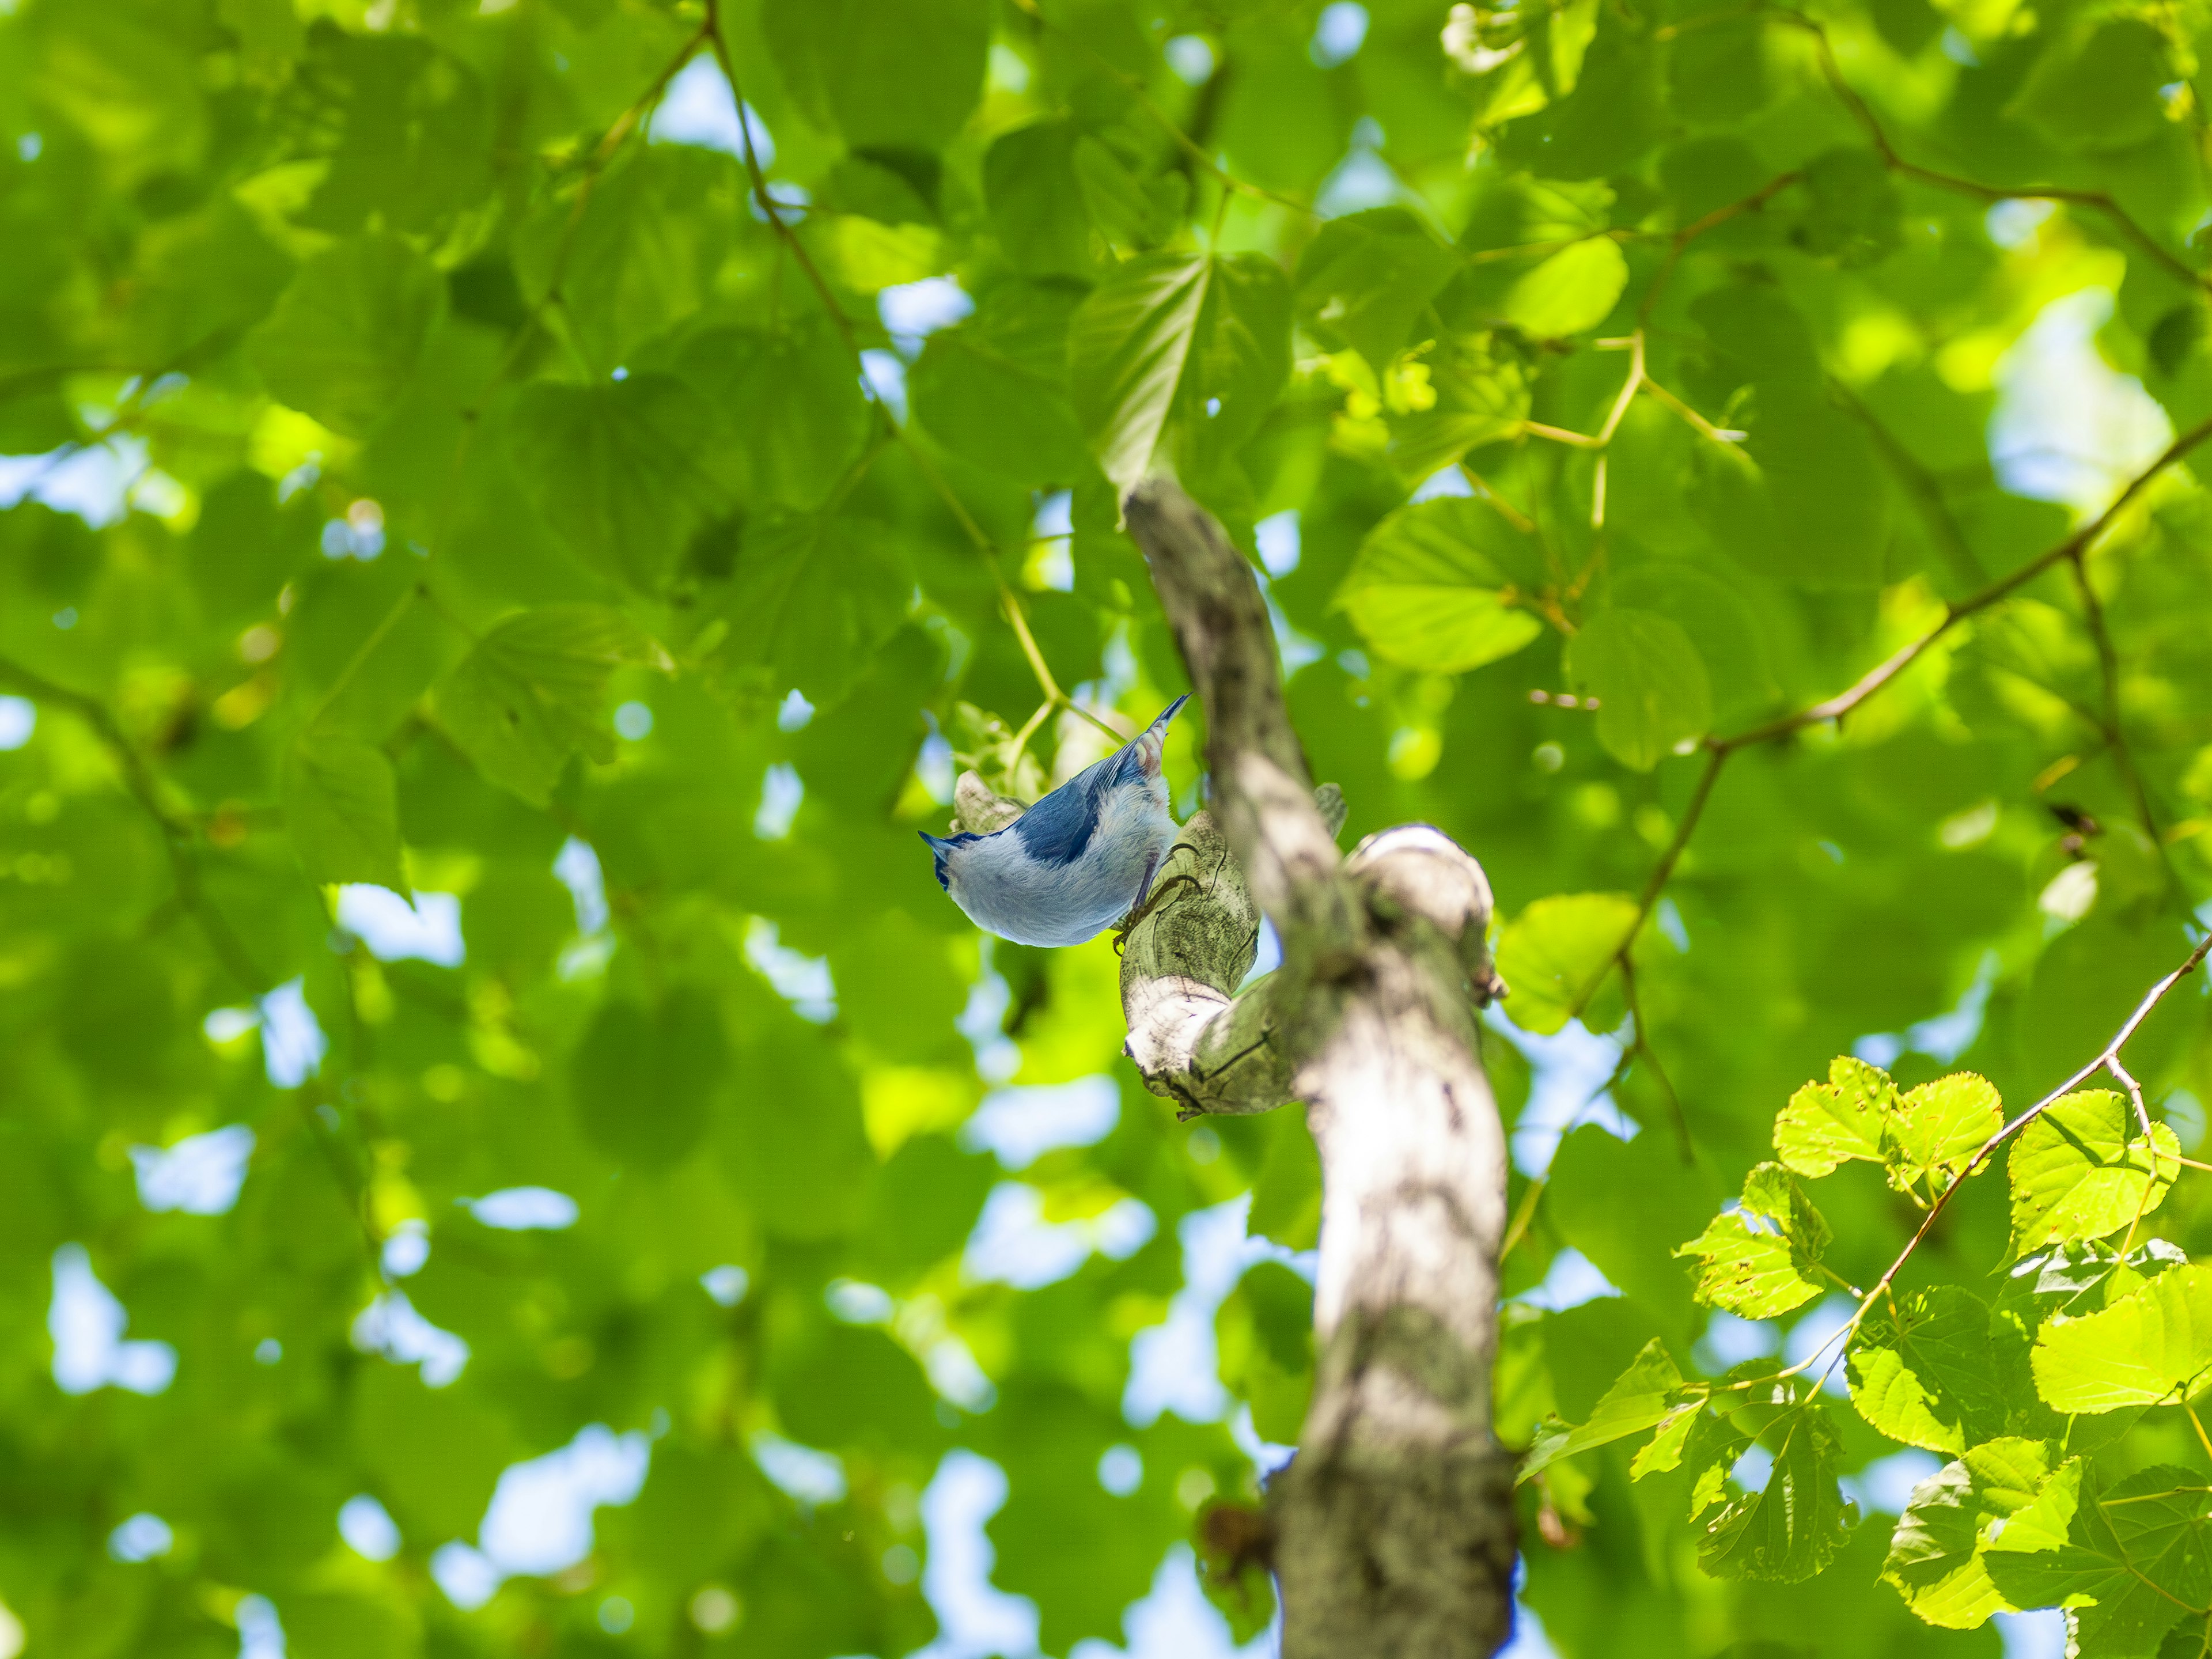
[{"x": 1394, "y": 1523}]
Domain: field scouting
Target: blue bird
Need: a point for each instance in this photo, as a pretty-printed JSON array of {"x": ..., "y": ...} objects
[{"x": 1077, "y": 862}]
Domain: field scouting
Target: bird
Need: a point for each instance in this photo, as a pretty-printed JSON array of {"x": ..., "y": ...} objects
[{"x": 1077, "y": 862}]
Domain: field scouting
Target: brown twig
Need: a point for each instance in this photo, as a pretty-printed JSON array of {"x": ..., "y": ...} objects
[
  {"x": 1719, "y": 749},
  {"x": 2096, "y": 200},
  {"x": 1696, "y": 227}
]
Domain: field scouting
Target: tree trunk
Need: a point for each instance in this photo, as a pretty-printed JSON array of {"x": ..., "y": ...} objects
[{"x": 1394, "y": 1533}]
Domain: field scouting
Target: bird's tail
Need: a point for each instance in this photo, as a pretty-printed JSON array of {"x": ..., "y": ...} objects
[{"x": 1153, "y": 741}]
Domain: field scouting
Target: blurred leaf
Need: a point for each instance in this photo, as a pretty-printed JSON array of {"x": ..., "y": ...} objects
[
  {"x": 888, "y": 73},
  {"x": 811, "y": 596},
  {"x": 1653, "y": 694},
  {"x": 2096, "y": 85},
  {"x": 1554, "y": 955},
  {"x": 345, "y": 338},
  {"x": 624, "y": 471},
  {"x": 1205, "y": 337},
  {"x": 341, "y": 805},
  {"x": 1368, "y": 275},
  {"x": 1573, "y": 290},
  {"x": 532, "y": 692},
  {"x": 645, "y": 1082}
]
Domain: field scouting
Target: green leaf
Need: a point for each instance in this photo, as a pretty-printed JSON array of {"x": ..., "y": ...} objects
[
  {"x": 1757, "y": 1271},
  {"x": 626, "y": 470},
  {"x": 2082, "y": 1169},
  {"x": 2132, "y": 1558},
  {"x": 1370, "y": 276},
  {"x": 341, "y": 807},
  {"x": 1118, "y": 203},
  {"x": 2150, "y": 1347},
  {"x": 1805, "y": 501},
  {"x": 812, "y": 598},
  {"x": 1241, "y": 358},
  {"x": 1481, "y": 395},
  {"x": 1939, "y": 1127},
  {"x": 1556, "y": 952},
  {"x": 1827, "y": 1124},
  {"x": 2096, "y": 85},
  {"x": 1126, "y": 349},
  {"x": 1206, "y": 340},
  {"x": 644, "y": 1082},
  {"x": 1264, "y": 1335},
  {"x": 531, "y": 693},
  {"x": 994, "y": 390},
  {"x": 1643, "y": 1396},
  {"x": 636, "y": 256},
  {"x": 888, "y": 74},
  {"x": 1037, "y": 208},
  {"x": 790, "y": 399},
  {"x": 1626, "y": 1210},
  {"x": 1652, "y": 691},
  {"x": 345, "y": 338},
  {"x": 1936, "y": 1553},
  {"x": 1853, "y": 213},
  {"x": 1574, "y": 289},
  {"x": 1429, "y": 587},
  {"x": 1924, "y": 1376},
  {"x": 1798, "y": 1523}
]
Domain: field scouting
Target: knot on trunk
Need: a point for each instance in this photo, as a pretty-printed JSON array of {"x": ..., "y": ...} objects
[{"x": 1417, "y": 870}]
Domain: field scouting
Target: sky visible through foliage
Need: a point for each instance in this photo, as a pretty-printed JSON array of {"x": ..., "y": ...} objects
[{"x": 504, "y": 1148}]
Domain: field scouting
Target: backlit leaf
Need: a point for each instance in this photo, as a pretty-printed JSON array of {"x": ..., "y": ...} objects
[
  {"x": 1556, "y": 953},
  {"x": 2082, "y": 1169},
  {"x": 2150, "y": 1347},
  {"x": 1759, "y": 1259},
  {"x": 1428, "y": 588}
]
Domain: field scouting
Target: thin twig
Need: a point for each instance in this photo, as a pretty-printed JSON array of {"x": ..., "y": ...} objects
[
  {"x": 1925, "y": 488},
  {"x": 2096, "y": 200},
  {"x": 2079, "y": 542},
  {"x": 178, "y": 832},
  {"x": 2107, "y": 1060},
  {"x": 2108, "y": 669}
]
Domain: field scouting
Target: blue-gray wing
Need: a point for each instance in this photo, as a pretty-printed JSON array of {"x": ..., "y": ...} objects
[{"x": 1058, "y": 828}]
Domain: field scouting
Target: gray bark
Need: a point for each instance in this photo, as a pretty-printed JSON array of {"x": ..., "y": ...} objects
[{"x": 1393, "y": 1524}]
